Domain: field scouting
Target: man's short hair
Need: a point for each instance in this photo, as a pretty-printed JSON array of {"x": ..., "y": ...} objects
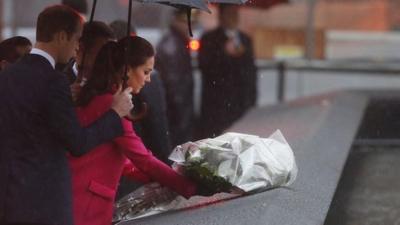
[
  {"x": 79, "y": 5},
  {"x": 8, "y": 48},
  {"x": 93, "y": 30},
  {"x": 55, "y": 19}
]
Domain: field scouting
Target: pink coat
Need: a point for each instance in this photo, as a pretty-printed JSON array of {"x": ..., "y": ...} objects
[{"x": 96, "y": 175}]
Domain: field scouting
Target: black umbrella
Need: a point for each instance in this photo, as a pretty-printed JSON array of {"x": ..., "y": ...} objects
[
  {"x": 230, "y": 1},
  {"x": 181, "y": 4}
]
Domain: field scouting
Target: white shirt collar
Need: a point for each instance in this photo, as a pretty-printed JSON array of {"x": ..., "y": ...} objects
[
  {"x": 75, "y": 69},
  {"x": 46, "y": 55}
]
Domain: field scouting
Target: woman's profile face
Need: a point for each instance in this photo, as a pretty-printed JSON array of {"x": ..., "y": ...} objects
[{"x": 138, "y": 76}]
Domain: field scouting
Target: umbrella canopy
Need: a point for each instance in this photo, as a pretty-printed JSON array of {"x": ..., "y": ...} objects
[
  {"x": 265, "y": 4},
  {"x": 230, "y": 1},
  {"x": 253, "y": 3},
  {"x": 182, "y": 4},
  {"x": 197, "y": 4}
]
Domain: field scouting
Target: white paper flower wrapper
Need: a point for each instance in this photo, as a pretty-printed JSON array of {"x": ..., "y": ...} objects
[{"x": 247, "y": 161}]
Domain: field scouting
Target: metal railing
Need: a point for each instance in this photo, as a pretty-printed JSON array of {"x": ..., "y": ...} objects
[{"x": 361, "y": 67}]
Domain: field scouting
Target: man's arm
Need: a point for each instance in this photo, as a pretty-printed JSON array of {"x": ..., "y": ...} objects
[{"x": 65, "y": 125}]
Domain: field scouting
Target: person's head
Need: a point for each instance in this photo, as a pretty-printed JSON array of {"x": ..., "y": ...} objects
[
  {"x": 58, "y": 30},
  {"x": 180, "y": 21},
  {"x": 12, "y": 49},
  {"x": 228, "y": 16},
  {"x": 132, "y": 54},
  {"x": 119, "y": 28},
  {"x": 95, "y": 34},
  {"x": 80, "y": 6},
  {"x": 139, "y": 61}
]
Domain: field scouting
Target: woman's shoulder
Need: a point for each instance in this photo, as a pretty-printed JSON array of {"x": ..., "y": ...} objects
[
  {"x": 104, "y": 98},
  {"x": 99, "y": 105},
  {"x": 99, "y": 102}
]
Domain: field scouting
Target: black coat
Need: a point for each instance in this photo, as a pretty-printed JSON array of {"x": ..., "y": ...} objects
[
  {"x": 173, "y": 61},
  {"x": 38, "y": 126},
  {"x": 228, "y": 83},
  {"x": 67, "y": 69}
]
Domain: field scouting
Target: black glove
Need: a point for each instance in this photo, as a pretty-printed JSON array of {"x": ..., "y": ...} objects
[{"x": 203, "y": 190}]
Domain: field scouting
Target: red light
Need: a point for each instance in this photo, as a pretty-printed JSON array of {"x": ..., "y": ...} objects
[
  {"x": 123, "y": 2},
  {"x": 194, "y": 45}
]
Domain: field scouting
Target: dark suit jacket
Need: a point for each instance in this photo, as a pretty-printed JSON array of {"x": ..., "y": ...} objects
[
  {"x": 38, "y": 125},
  {"x": 228, "y": 83},
  {"x": 69, "y": 72}
]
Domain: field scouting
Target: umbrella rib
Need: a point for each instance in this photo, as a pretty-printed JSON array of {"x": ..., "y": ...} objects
[
  {"x": 93, "y": 10},
  {"x": 128, "y": 29}
]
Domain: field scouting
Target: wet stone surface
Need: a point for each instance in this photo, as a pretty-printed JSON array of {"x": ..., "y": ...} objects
[{"x": 369, "y": 190}]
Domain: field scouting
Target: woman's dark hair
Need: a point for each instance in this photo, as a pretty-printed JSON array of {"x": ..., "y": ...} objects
[
  {"x": 138, "y": 50},
  {"x": 8, "y": 48},
  {"x": 110, "y": 66}
]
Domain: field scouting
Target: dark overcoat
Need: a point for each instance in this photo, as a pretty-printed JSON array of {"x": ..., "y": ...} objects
[{"x": 38, "y": 125}]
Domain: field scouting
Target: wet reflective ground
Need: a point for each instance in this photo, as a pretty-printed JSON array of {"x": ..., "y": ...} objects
[{"x": 369, "y": 190}]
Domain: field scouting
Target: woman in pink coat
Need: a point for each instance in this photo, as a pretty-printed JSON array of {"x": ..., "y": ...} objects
[{"x": 95, "y": 176}]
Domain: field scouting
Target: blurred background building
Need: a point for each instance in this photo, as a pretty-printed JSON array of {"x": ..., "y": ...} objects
[
  {"x": 348, "y": 31},
  {"x": 341, "y": 27}
]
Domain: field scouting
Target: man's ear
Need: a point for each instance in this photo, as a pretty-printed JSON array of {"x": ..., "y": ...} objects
[
  {"x": 61, "y": 36},
  {"x": 3, "y": 64}
]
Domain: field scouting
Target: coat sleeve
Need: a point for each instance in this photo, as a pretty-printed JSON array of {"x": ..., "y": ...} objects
[
  {"x": 65, "y": 125},
  {"x": 134, "y": 173},
  {"x": 132, "y": 146}
]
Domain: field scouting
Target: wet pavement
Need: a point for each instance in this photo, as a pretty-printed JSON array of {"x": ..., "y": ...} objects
[{"x": 369, "y": 190}]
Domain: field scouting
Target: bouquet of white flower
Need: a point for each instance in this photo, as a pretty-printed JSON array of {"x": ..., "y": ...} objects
[
  {"x": 232, "y": 161},
  {"x": 245, "y": 161}
]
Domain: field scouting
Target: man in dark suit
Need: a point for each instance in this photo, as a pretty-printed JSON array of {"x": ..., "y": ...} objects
[
  {"x": 229, "y": 75},
  {"x": 174, "y": 63},
  {"x": 38, "y": 126}
]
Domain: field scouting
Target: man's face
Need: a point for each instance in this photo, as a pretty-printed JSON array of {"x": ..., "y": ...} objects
[
  {"x": 69, "y": 46},
  {"x": 229, "y": 18}
]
